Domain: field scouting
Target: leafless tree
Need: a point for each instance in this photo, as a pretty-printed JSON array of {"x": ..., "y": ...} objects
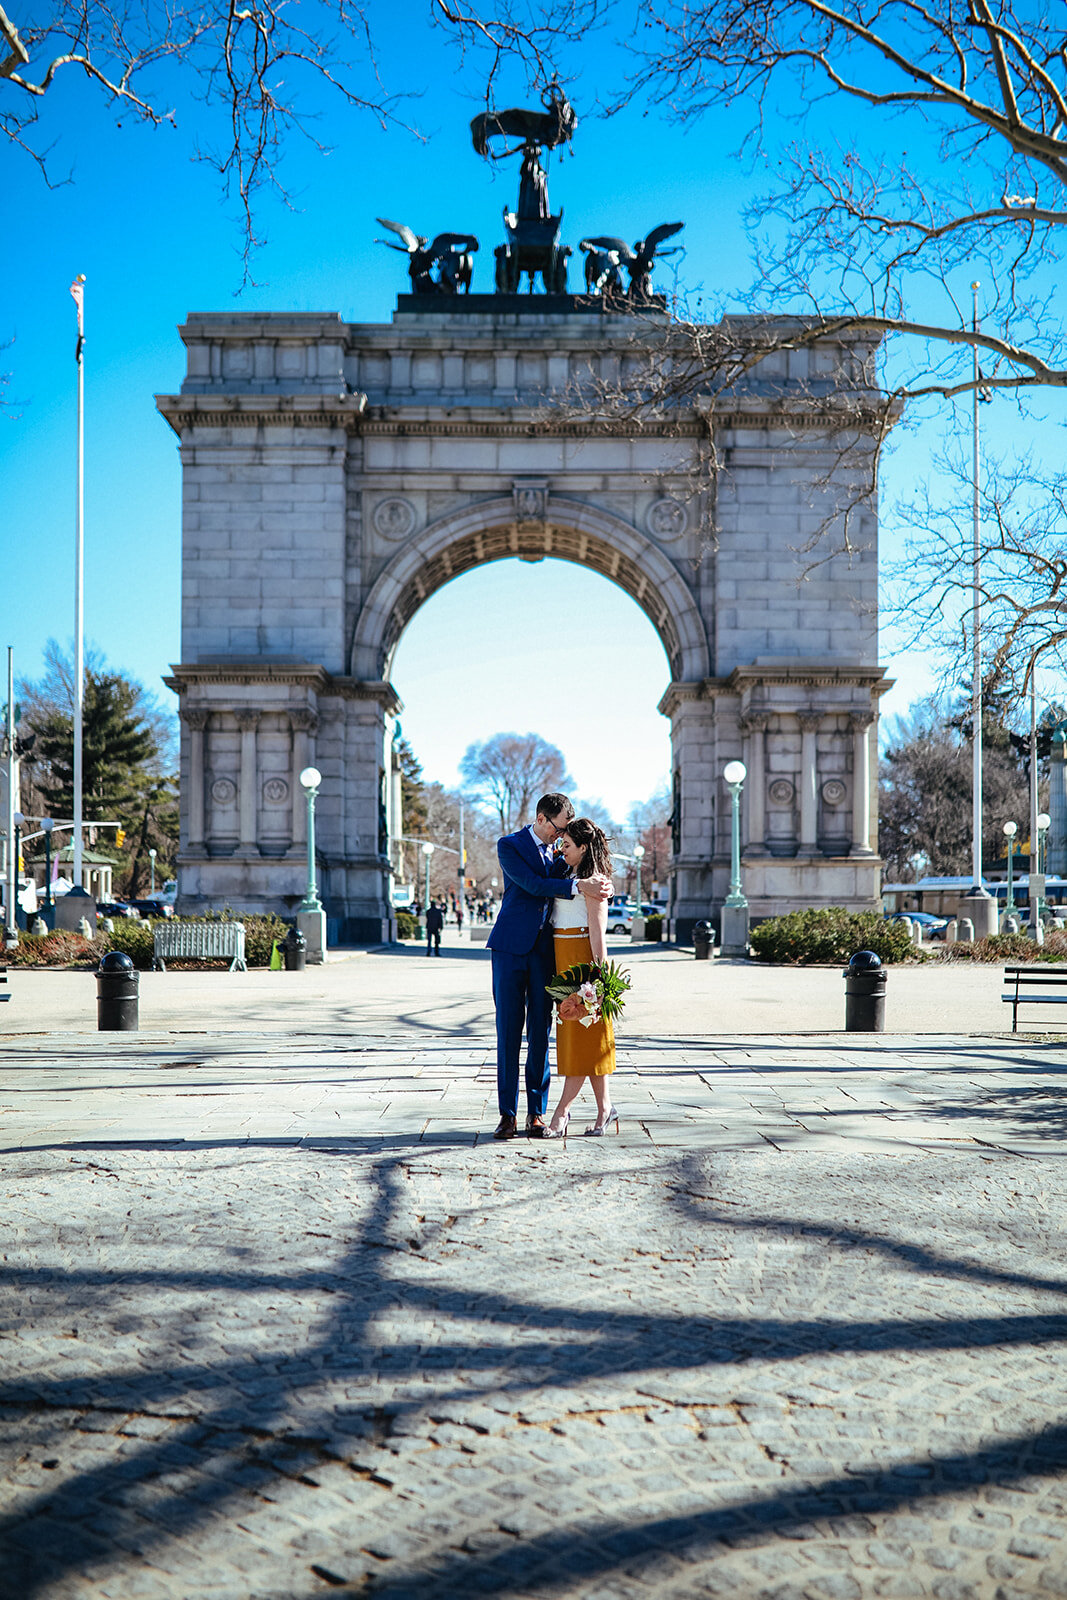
[
  {"x": 1021, "y": 577},
  {"x": 247, "y": 76},
  {"x": 510, "y": 772}
]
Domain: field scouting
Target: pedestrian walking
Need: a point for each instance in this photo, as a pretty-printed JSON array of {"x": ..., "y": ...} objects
[{"x": 435, "y": 921}]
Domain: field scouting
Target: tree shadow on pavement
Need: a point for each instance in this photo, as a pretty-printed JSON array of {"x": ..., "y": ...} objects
[{"x": 264, "y": 1403}]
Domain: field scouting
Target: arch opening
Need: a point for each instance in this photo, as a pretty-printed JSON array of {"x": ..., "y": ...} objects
[{"x": 573, "y": 532}]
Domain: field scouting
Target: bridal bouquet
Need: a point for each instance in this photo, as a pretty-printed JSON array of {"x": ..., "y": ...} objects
[{"x": 590, "y": 991}]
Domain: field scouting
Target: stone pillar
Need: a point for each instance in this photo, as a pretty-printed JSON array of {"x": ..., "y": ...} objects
[
  {"x": 304, "y": 724},
  {"x": 809, "y": 781},
  {"x": 246, "y": 721},
  {"x": 860, "y": 723},
  {"x": 196, "y": 722},
  {"x": 755, "y": 724}
]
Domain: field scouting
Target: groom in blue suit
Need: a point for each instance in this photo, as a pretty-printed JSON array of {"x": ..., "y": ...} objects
[{"x": 523, "y": 959}]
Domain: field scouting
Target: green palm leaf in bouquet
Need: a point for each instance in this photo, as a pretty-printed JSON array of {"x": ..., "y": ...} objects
[{"x": 609, "y": 979}]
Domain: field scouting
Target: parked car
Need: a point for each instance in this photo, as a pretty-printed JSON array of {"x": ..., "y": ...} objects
[
  {"x": 153, "y": 908},
  {"x": 112, "y": 908},
  {"x": 620, "y": 918},
  {"x": 932, "y": 927}
]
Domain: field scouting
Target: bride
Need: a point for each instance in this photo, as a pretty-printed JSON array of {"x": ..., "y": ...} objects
[{"x": 579, "y": 927}]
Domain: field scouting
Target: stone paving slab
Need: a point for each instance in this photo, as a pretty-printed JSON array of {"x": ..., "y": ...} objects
[
  {"x": 279, "y": 1321},
  {"x": 871, "y": 1094}
]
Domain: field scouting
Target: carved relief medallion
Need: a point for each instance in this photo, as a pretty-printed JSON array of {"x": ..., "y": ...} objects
[
  {"x": 833, "y": 791},
  {"x": 276, "y": 791},
  {"x": 667, "y": 519},
  {"x": 394, "y": 518},
  {"x": 224, "y": 791},
  {"x": 781, "y": 792}
]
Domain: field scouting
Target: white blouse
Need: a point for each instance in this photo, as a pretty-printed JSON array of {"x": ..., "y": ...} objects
[{"x": 570, "y": 913}]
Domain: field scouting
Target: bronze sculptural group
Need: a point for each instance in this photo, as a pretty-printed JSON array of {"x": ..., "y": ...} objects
[{"x": 533, "y": 235}]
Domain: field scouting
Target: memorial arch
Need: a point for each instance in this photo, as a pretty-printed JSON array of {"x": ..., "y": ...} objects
[{"x": 336, "y": 474}]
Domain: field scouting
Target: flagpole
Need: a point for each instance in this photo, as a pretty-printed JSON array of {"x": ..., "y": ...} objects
[
  {"x": 77, "y": 289},
  {"x": 11, "y": 935}
]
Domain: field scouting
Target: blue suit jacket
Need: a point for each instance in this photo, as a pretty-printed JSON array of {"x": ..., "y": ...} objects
[{"x": 529, "y": 890}]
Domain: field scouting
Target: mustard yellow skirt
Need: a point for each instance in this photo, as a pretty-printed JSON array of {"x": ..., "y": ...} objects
[{"x": 580, "y": 1052}]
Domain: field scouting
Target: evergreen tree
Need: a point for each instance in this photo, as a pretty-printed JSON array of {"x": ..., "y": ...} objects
[
  {"x": 412, "y": 789},
  {"x": 116, "y": 743}
]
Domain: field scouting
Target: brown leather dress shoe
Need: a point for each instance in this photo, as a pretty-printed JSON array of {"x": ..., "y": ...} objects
[
  {"x": 535, "y": 1127},
  {"x": 507, "y": 1128}
]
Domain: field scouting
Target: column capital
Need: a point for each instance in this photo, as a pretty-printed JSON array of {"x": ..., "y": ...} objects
[
  {"x": 754, "y": 721},
  {"x": 303, "y": 720},
  {"x": 859, "y": 721},
  {"x": 810, "y": 721},
  {"x": 246, "y": 718},
  {"x": 194, "y": 717}
]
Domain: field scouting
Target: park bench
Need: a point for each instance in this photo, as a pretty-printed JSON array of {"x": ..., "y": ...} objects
[
  {"x": 3, "y": 980},
  {"x": 1033, "y": 977},
  {"x": 199, "y": 941}
]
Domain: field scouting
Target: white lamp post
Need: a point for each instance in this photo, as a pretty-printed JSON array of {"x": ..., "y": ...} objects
[
  {"x": 152, "y": 871},
  {"x": 735, "y": 906},
  {"x": 1044, "y": 823},
  {"x": 310, "y": 917},
  {"x": 1010, "y": 830},
  {"x": 637, "y": 926},
  {"x": 427, "y": 853}
]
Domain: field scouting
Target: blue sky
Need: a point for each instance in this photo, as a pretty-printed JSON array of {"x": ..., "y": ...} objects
[{"x": 155, "y": 240}]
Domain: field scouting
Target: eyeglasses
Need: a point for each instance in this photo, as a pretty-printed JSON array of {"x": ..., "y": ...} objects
[{"x": 559, "y": 831}]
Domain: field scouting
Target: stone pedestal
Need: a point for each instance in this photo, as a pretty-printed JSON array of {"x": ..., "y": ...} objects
[
  {"x": 979, "y": 907},
  {"x": 734, "y": 941},
  {"x": 312, "y": 924},
  {"x": 71, "y": 907}
]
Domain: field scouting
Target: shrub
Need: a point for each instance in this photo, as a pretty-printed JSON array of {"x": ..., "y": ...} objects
[
  {"x": 407, "y": 925},
  {"x": 56, "y": 949},
  {"x": 260, "y": 934},
  {"x": 829, "y": 934},
  {"x": 134, "y": 939},
  {"x": 1014, "y": 948},
  {"x": 654, "y": 927}
]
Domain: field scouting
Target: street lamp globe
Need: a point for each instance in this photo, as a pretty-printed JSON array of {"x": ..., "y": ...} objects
[
  {"x": 1044, "y": 821},
  {"x": 735, "y": 772},
  {"x": 47, "y": 824},
  {"x": 639, "y": 851},
  {"x": 310, "y": 778},
  {"x": 1011, "y": 829},
  {"x": 428, "y": 850}
]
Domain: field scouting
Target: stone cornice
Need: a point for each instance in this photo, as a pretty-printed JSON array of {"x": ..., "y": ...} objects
[
  {"x": 796, "y": 674},
  {"x": 184, "y": 411},
  {"x": 185, "y": 676}
]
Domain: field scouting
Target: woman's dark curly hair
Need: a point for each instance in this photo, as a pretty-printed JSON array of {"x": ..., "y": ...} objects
[{"x": 592, "y": 842}]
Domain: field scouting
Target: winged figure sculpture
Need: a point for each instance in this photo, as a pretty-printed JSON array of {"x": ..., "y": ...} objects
[
  {"x": 450, "y": 253},
  {"x": 604, "y": 255}
]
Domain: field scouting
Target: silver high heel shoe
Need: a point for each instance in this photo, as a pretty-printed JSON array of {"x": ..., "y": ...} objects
[
  {"x": 561, "y": 1131},
  {"x": 598, "y": 1130}
]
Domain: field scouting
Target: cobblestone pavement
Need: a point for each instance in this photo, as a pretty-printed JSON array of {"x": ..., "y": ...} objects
[{"x": 273, "y": 1328}]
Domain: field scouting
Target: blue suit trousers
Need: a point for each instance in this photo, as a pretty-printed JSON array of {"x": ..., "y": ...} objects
[{"x": 521, "y": 1001}]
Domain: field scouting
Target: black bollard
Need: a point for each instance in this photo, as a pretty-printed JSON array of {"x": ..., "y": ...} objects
[
  {"x": 865, "y": 979},
  {"x": 116, "y": 994},
  {"x": 703, "y": 939},
  {"x": 294, "y": 948}
]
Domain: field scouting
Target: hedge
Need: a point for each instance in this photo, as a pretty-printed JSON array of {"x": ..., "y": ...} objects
[
  {"x": 654, "y": 927},
  {"x": 134, "y": 939},
  {"x": 407, "y": 925},
  {"x": 829, "y": 934},
  {"x": 1015, "y": 948}
]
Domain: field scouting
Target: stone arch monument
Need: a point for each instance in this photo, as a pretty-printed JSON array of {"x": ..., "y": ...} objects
[{"x": 337, "y": 474}]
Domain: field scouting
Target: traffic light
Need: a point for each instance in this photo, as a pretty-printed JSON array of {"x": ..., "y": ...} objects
[{"x": 120, "y": 838}]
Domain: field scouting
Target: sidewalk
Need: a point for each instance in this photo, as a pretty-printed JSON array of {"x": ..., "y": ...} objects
[
  {"x": 283, "y": 1321},
  {"x": 400, "y": 986}
]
